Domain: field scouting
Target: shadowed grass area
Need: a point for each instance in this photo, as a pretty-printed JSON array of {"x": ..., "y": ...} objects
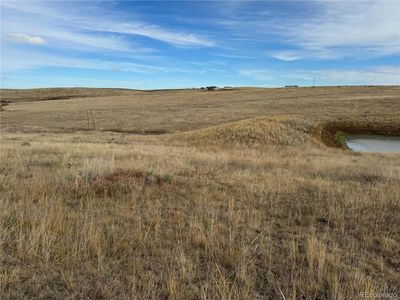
[{"x": 252, "y": 209}]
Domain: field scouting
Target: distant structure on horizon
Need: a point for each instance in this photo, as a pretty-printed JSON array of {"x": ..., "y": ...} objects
[
  {"x": 291, "y": 86},
  {"x": 214, "y": 88}
]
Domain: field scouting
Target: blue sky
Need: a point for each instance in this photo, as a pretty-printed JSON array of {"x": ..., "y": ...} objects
[{"x": 174, "y": 44}]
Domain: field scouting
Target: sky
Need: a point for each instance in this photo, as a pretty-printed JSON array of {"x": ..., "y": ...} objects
[{"x": 184, "y": 44}]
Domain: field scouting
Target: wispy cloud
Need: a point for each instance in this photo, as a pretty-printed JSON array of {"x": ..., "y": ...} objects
[
  {"x": 260, "y": 75},
  {"x": 88, "y": 20},
  {"x": 330, "y": 30},
  {"x": 350, "y": 29},
  {"x": 317, "y": 54},
  {"x": 155, "y": 32},
  {"x": 26, "y": 38},
  {"x": 286, "y": 55},
  {"x": 376, "y": 75},
  {"x": 20, "y": 26},
  {"x": 372, "y": 24},
  {"x": 18, "y": 59},
  {"x": 57, "y": 36}
]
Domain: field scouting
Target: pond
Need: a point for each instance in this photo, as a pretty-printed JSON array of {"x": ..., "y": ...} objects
[{"x": 372, "y": 143}]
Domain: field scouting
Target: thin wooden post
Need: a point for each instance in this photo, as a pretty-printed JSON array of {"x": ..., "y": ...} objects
[
  {"x": 94, "y": 123},
  {"x": 88, "y": 120}
]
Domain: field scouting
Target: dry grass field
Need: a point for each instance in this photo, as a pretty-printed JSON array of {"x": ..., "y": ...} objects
[{"x": 189, "y": 194}]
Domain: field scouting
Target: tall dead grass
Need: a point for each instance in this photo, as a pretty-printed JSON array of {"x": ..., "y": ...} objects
[{"x": 90, "y": 220}]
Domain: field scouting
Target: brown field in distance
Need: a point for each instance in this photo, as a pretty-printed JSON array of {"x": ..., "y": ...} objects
[{"x": 187, "y": 194}]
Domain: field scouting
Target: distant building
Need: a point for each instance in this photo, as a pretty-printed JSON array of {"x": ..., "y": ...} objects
[{"x": 291, "y": 86}]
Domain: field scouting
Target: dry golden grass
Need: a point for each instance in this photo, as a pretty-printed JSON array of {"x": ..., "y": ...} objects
[
  {"x": 43, "y": 94},
  {"x": 184, "y": 110},
  {"x": 255, "y": 209}
]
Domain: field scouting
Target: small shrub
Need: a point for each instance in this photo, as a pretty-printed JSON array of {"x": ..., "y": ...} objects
[
  {"x": 166, "y": 178},
  {"x": 340, "y": 139}
]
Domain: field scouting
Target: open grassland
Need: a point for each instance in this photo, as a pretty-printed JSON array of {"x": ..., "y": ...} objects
[
  {"x": 194, "y": 194},
  {"x": 184, "y": 110}
]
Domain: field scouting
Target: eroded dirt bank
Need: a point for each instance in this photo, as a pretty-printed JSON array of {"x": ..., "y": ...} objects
[{"x": 327, "y": 132}]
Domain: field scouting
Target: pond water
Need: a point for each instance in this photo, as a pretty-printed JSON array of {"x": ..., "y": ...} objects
[{"x": 373, "y": 143}]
